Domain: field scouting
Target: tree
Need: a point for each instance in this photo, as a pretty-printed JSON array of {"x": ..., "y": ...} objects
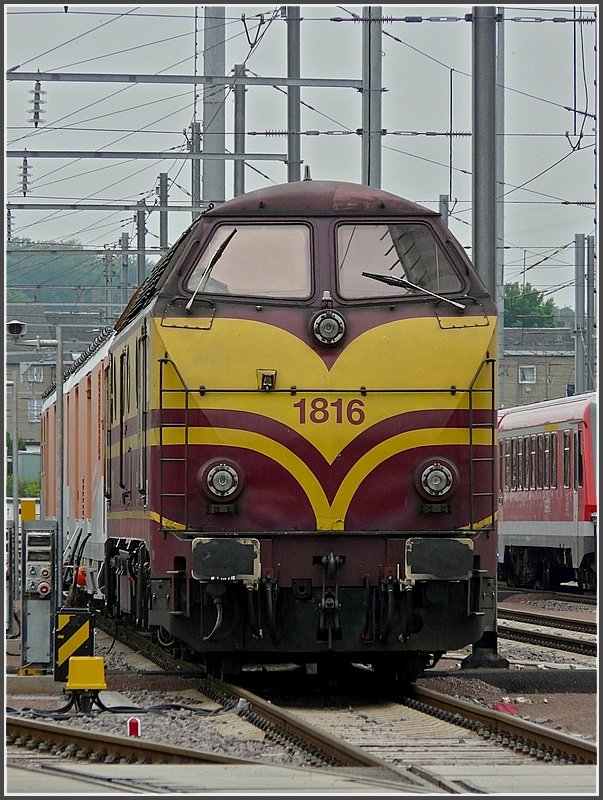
[
  {"x": 27, "y": 488},
  {"x": 525, "y": 307}
]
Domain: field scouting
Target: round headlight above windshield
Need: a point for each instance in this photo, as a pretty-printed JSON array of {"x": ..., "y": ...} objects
[{"x": 328, "y": 327}]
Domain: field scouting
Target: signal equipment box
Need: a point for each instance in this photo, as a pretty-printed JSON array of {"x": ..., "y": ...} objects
[{"x": 37, "y": 584}]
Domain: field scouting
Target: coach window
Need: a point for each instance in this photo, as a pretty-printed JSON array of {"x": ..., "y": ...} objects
[
  {"x": 533, "y": 467},
  {"x": 540, "y": 461},
  {"x": 554, "y": 460},
  {"x": 255, "y": 261},
  {"x": 566, "y": 459},
  {"x": 142, "y": 406},
  {"x": 406, "y": 250},
  {"x": 526, "y": 462},
  {"x": 124, "y": 404},
  {"x": 109, "y": 417},
  {"x": 520, "y": 462},
  {"x": 507, "y": 464},
  {"x": 578, "y": 460},
  {"x": 514, "y": 464},
  {"x": 547, "y": 460}
]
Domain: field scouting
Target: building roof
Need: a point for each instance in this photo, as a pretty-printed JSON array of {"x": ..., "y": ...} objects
[{"x": 539, "y": 342}]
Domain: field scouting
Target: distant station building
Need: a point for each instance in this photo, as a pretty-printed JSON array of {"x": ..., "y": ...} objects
[{"x": 538, "y": 364}]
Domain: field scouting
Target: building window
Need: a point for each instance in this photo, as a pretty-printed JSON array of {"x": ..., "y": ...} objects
[
  {"x": 35, "y": 373},
  {"x": 527, "y": 374},
  {"x": 34, "y": 410}
]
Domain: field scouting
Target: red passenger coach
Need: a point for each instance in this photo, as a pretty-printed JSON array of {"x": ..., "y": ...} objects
[{"x": 548, "y": 493}]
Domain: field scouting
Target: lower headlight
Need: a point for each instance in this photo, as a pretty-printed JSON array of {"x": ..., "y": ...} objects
[
  {"x": 222, "y": 480},
  {"x": 436, "y": 479}
]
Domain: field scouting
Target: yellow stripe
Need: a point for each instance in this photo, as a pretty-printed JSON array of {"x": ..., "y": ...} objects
[
  {"x": 62, "y": 620},
  {"x": 328, "y": 516},
  {"x": 146, "y": 515},
  {"x": 398, "y": 444},
  {"x": 71, "y": 645}
]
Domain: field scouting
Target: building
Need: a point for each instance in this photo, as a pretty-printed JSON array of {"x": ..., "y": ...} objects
[
  {"x": 538, "y": 364},
  {"x": 34, "y": 368}
]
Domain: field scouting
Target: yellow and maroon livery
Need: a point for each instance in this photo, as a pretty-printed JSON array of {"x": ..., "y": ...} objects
[{"x": 298, "y": 437}]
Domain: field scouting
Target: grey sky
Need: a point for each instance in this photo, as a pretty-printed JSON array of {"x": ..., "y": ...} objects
[{"x": 550, "y": 67}]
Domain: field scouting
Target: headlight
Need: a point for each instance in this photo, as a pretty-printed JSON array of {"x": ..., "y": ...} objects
[
  {"x": 436, "y": 479},
  {"x": 220, "y": 480},
  {"x": 328, "y": 327}
]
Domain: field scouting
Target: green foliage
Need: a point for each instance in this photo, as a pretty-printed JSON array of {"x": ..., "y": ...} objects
[
  {"x": 525, "y": 307},
  {"x": 9, "y": 444},
  {"x": 30, "y": 488},
  {"x": 49, "y": 276}
]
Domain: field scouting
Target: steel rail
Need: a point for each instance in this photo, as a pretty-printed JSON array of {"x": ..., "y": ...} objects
[
  {"x": 338, "y": 750},
  {"x": 543, "y": 639},
  {"x": 517, "y": 729},
  {"x": 115, "y": 747},
  {"x": 572, "y": 624}
]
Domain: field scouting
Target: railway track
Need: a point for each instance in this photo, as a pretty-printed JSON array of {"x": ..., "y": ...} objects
[
  {"x": 399, "y": 742},
  {"x": 525, "y": 631},
  {"x": 520, "y": 736}
]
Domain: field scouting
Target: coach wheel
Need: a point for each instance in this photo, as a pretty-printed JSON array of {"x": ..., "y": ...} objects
[
  {"x": 550, "y": 581},
  {"x": 587, "y": 580},
  {"x": 511, "y": 577}
]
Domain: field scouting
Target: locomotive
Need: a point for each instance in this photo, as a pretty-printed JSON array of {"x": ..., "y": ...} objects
[
  {"x": 285, "y": 449},
  {"x": 548, "y": 493}
]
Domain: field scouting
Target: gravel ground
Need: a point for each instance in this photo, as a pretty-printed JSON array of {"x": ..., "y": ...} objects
[
  {"x": 553, "y": 688},
  {"x": 546, "y": 687}
]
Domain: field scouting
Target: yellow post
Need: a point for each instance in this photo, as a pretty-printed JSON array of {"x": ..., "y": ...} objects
[{"x": 28, "y": 510}]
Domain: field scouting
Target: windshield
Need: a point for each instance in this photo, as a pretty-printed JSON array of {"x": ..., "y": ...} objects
[
  {"x": 255, "y": 261},
  {"x": 402, "y": 250}
]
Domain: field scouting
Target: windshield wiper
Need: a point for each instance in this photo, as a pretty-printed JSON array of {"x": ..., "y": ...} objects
[
  {"x": 207, "y": 271},
  {"x": 395, "y": 281}
]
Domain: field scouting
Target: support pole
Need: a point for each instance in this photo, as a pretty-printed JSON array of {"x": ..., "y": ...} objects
[
  {"x": 15, "y": 543},
  {"x": 483, "y": 146},
  {"x": 58, "y": 549},
  {"x": 163, "y": 214},
  {"x": 371, "y": 95},
  {"x": 499, "y": 193},
  {"x": 125, "y": 264},
  {"x": 579, "y": 326},
  {"x": 141, "y": 235},
  {"x": 591, "y": 341},
  {"x": 214, "y": 96},
  {"x": 195, "y": 147},
  {"x": 444, "y": 200},
  {"x": 293, "y": 94},
  {"x": 485, "y": 649},
  {"x": 239, "y": 130}
]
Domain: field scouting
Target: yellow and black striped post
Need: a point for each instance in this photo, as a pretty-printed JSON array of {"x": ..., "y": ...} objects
[{"x": 73, "y": 636}]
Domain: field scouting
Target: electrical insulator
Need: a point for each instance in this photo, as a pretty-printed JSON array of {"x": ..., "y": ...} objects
[
  {"x": 9, "y": 225},
  {"x": 25, "y": 176},
  {"x": 37, "y": 103}
]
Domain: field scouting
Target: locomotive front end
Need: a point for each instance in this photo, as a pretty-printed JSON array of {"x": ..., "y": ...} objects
[{"x": 318, "y": 439}]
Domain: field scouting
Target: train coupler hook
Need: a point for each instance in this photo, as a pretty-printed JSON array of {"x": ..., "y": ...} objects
[{"x": 329, "y": 624}]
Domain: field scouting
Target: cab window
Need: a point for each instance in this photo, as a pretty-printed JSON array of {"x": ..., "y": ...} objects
[
  {"x": 255, "y": 260},
  {"x": 389, "y": 252}
]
